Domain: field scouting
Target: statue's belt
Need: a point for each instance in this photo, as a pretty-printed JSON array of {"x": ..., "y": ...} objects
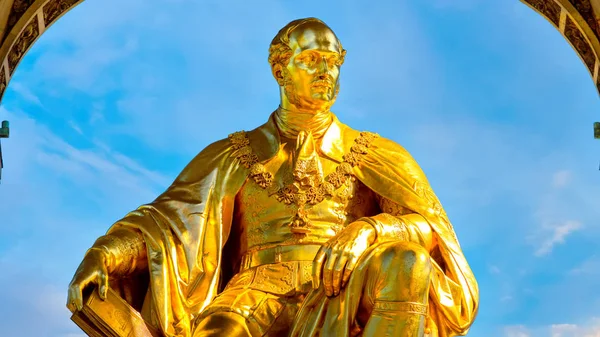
[{"x": 279, "y": 254}]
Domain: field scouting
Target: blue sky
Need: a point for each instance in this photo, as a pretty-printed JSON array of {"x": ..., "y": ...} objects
[{"x": 118, "y": 96}]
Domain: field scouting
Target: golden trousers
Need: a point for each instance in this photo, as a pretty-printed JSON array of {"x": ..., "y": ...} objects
[{"x": 386, "y": 295}]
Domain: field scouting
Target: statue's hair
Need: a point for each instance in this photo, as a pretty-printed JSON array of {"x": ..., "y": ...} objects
[{"x": 280, "y": 51}]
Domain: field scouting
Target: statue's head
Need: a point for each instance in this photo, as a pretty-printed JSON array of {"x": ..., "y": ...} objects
[{"x": 305, "y": 58}]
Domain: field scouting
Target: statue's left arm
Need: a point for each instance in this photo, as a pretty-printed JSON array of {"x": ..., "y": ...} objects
[
  {"x": 396, "y": 223},
  {"x": 412, "y": 212}
]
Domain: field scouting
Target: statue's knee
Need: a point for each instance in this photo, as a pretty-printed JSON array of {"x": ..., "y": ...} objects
[
  {"x": 401, "y": 273},
  {"x": 408, "y": 257}
]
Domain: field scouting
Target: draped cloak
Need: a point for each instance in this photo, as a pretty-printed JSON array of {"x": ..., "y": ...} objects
[{"x": 187, "y": 227}]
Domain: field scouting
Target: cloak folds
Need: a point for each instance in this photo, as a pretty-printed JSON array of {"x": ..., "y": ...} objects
[{"x": 186, "y": 229}]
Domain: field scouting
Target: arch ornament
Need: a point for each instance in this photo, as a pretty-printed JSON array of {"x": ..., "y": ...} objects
[
  {"x": 22, "y": 22},
  {"x": 579, "y": 23}
]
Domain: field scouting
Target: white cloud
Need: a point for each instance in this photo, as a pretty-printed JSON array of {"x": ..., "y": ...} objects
[
  {"x": 75, "y": 127},
  {"x": 494, "y": 270},
  {"x": 563, "y": 208},
  {"x": 556, "y": 235},
  {"x": 25, "y": 93},
  {"x": 588, "y": 268},
  {"x": 592, "y": 329},
  {"x": 561, "y": 178},
  {"x": 516, "y": 331}
]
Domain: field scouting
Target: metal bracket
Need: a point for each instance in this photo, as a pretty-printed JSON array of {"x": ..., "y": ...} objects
[
  {"x": 4, "y": 130},
  {"x": 4, "y": 133},
  {"x": 597, "y": 133}
]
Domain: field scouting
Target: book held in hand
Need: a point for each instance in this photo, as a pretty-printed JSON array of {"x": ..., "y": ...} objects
[{"x": 112, "y": 317}]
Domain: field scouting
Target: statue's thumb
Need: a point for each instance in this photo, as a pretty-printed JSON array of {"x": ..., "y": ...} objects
[
  {"x": 102, "y": 292},
  {"x": 102, "y": 289}
]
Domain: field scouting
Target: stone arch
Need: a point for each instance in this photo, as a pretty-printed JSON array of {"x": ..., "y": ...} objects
[
  {"x": 579, "y": 23},
  {"x": 22, "y": 22}
]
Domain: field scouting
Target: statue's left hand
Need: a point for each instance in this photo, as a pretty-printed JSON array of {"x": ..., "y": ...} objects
[{"x": 335, "y": 261}]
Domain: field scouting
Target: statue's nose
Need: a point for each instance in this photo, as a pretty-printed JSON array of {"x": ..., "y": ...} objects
[{"x": 323, "y": 67}]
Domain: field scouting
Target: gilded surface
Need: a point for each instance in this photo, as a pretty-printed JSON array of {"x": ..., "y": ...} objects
[
  {"x": 22, "y": 44},
  {"x": 300, "y": 227},
  {"x": 305, "y": 185}
]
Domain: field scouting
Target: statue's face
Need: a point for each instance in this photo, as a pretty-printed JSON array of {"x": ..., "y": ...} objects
[{"x": 312, "y": 75}]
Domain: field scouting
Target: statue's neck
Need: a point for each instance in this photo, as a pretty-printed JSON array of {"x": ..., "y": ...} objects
[{"x": 290, "y": 122}]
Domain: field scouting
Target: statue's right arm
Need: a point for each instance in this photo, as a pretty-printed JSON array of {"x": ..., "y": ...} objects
[
  {"x": 123, "y": 251},
  {"x": 120, "y": 253}
]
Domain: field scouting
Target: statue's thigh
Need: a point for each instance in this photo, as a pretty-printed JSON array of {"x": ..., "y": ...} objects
[
  {"x": 261, "y": 313},
  {"x": 219, "y": 324}
]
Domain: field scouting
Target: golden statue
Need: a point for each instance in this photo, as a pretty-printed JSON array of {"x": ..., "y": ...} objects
[{"x": 300, "y": 227}]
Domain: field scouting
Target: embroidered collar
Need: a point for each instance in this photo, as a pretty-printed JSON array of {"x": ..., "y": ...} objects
[{"x": 336, "y": 141}]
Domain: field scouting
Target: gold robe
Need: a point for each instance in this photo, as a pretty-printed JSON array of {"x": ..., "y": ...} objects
[{"x": 187, "y": 227}]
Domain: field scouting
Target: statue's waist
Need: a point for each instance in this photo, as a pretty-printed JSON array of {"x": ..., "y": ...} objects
[{"x": 277, "y": 254}]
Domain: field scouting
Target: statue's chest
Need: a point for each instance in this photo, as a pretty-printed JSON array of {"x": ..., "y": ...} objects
[
  {"x": 299, "y": 203},
  {"x": 300, "y": 194}
]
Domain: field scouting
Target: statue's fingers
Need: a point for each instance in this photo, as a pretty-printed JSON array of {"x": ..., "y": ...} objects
[
  {"x": 102, "y": 284},
  {"x": 348, "y": 270},
  {"x": 328, "y": 271},
  {"x": 338, "y": 272},
  {"x": 318, "y": 266},
  {"x": 74, "y": 300},
  {"x": 71, "y": 300}
]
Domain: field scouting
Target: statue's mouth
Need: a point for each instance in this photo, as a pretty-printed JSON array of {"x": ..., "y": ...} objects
[
  {"x": 321, "y": 88},
  {"x": 321, "y": 84}
]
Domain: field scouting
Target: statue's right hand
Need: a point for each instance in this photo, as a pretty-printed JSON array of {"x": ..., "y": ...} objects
[{"x": 91, "y": 272}]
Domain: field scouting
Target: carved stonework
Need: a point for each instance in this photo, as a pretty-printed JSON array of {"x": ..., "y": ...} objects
[
  {"x": 583, "y": 48},
  {"x": 3, "y": 83},
  {"x": 22, "y": 44},
  {"x": 18, "y": 9},
  {"x": 584, "y": 7},
  {"x": 548, "y": 8},
  {"x": 54, "y": 9}
]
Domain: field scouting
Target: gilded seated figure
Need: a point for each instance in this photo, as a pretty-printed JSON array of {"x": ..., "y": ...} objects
[{"x": 300, "y": 227}]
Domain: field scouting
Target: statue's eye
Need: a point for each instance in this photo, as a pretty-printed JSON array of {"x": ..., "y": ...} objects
[{"x": 308, "y": 59}]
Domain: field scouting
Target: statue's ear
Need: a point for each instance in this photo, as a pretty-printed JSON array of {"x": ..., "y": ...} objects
[{"x": 278, "y": 73}]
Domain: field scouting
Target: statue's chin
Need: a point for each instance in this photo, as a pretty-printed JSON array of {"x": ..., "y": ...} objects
[
  {"x": 316, "y": 105},
  {"x": 316, "y": 101}
]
